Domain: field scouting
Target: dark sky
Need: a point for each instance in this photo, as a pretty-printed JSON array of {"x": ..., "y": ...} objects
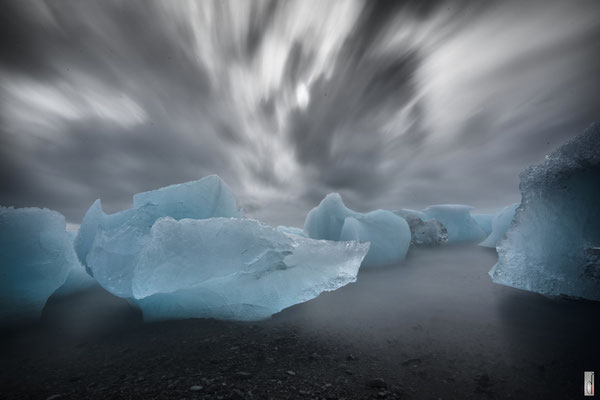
[{"x": 391, "y": 104}]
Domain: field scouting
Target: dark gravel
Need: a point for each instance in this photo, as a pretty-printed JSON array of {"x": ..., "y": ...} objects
[{"x": 433, "y": 328}]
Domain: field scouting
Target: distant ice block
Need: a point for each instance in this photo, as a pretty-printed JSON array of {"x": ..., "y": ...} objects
[
  {"x": 105, "y": 241},
  {"x": 326, "y": 220},
  {"x": 500, "y": 224},
  {"x": 457, "y": 219},
  {"x": 388, "y": 233},
  {"x": 424, "y": 231},
  {"x": 291, "y": 230},
  {"x": 36, "y": 255},
  {"x": 238, "y": 269},
  {"x": 484, "y": 221},
  {"x": 553, "y": 245}
]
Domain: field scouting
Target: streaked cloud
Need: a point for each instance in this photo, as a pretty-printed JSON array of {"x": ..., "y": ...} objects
[{"x": 391, "y": 103}]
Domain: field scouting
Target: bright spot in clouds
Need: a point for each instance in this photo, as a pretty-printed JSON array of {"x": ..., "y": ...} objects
[{"x": 302, "y": 96}]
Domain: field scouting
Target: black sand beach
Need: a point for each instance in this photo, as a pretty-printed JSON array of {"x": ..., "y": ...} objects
[{"x": 435, "y": 327}]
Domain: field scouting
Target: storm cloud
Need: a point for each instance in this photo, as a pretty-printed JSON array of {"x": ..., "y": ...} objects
[{"x": 393, "y": 104}]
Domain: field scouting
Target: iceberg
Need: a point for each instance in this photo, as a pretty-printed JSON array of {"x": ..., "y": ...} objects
[
  {"x": 457, "y": 219},
  {"x": 553, "y": 244},
  {"x": 500, "y": 223},
  {"x": 388, "y": 234},
  {"x": 231, "y": 268},
  {"x": 184, "y": 251},
  {"x": 423, "y": 230},
  {"x": 105, "y": 241},
  {"x": 36, "y": 255}
]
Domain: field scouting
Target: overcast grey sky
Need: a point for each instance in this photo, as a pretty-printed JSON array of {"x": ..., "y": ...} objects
[{"x": 392, "y": 104}]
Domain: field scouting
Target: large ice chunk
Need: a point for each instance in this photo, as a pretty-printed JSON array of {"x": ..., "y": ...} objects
[
  {"x": 388, "y": 233},
  {"x": 552, "y": 246},
  {"x": 500, "y": 223},
  {"x": 457, "y": 219},
  {"x": 108, "y": 241},
  {"x": 233, "y": 268},
  {"x": 36, "y": 255},
  {"x": 424, "y": 231},
  {"x": 176, "y": 256}
]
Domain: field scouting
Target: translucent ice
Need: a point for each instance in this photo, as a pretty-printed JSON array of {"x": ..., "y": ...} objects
[
  {"x": 36, "y": 256},
  {"x": 484, "y": 221},
  {"x": 553, "y": 245},
  {"x": 424, "y": 230},
  {"x": 500, "y": 223},
  {"x": 176, "y": 256},
  {"x": 105, "y": 241},
  {"x": 233, "y": 268},
  {"x": 458, "y": 221},
  {"x": 388, "y": 233}
]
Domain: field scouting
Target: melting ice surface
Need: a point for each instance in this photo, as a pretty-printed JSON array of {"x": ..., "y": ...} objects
[
  {"x": 36, "y": 256},
  {"x": 553, "y": 244},
  {"x": 458, "y": 221},
  {"x": 388, "y": 233},
  {"x": 183, "y": 251},
  {"x": 233, "y": 268},
  {"x": 500, "y": 224},
  {"x": 109, "y": 245}
]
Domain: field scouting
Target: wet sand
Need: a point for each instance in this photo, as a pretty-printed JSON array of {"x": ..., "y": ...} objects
[{"x": 433, "y": 327}]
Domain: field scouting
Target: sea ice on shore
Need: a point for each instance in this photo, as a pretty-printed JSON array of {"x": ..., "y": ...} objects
[
  {"x": 36, "y": 255},
  {"x": 183, "y": 251},
  {"x": 233, "y": 268},
  {"x": 109, "y": 245},
  {"x": 388, "y": 233},
  {"x": 457, "y": 219},
  {"x": 553, "y": 245}
]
